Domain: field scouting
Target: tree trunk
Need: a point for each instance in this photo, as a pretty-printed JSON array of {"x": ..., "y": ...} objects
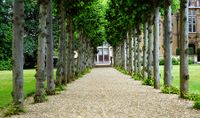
[
  {"x": 135, "y": 52},
  {"x": 49, "y": 59},
  {"x": 17, "y": 53},
  {"x": 80, "y": 49},
  {"x": 71, "y": 50},
  {"x": 40, "y": 75},
  {"x": 130, "y": 53},
  {"x": 156, "y": 49},
  {"x": 61, "y": 68},
  {"x": 167, "y": 45},
  {"x": 150, "y": 48},
  {"x": 184, "y": 75},
  {"x": 115, "y": 55},
  {"x": 145, "y": 47},
  {"x": 124, "y": 55},
  {"x": 127, "y": 51},
  {"x": 139, "y": 38}
]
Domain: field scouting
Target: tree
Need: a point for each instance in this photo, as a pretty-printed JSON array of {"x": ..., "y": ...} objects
[
  {"x": 40, "y": 74},
  {"x": 184, "y": 75},
  {"x": 156, "y": 47},
  {"x": 139, "y": 39},
  {"x": 61, "y": 64},
  {"x": 150, "y": 47},
  {"x": 17, "y": 54},
  {"x": 167, "y": 43},
  {"x": 145, "y": 47},
  {"x": 49, "y": 57}
]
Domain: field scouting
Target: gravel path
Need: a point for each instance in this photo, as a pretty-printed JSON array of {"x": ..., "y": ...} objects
[{"x": 106, "y": 93}]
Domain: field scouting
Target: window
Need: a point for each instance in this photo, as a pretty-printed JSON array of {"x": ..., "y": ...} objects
[
  {"x": 194, "y": 3},
  {"x": 198, "y": 3},
  {"x": 192, "y": 21}
]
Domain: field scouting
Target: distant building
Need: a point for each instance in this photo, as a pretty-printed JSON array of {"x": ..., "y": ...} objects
[
  {"x": 104, "y": 55},
  {"x": 193, "y": 28}
]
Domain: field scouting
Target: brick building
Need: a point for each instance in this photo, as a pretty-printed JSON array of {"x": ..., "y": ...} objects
[{"x": 193, "y": 28}]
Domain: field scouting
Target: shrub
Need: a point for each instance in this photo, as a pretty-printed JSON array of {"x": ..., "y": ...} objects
[
  {"x": 190, "y": 51},
  {"x": 137, "y": 77},
  {"x": 170, "y": 90},
  {"x": 190, "y": 61},
  {"x": 13, "y": 110},
  {"x": 175, "y": 61},
  {"x": 197, "y": 104},
  {"x": 177, "y": 51},
  {"x": 193, "y": 97},
  {"x": 149, "y": 82},
  {"x": 122, "y": 70},
  {"x": 5, "y": 65},
  {"x": 198, "y": 51},
  {"x": 161, "y": 62}
]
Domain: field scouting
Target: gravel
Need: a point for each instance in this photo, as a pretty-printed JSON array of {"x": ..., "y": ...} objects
[{"x": 106, "y": 93}]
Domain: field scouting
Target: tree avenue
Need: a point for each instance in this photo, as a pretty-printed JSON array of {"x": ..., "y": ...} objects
[{"x": 85, "y": 24}]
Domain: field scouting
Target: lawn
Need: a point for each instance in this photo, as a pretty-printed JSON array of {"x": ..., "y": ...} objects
[
  {"x": 194, "y": 80},
  {"x": 6, "y": 85}
]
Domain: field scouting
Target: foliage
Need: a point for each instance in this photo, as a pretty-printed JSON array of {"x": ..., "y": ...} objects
[
  {"x": 193, "y": 97},
  {"x": 190, "y": 61},
  {"x": 5, "y": 65},
  {"x": 178, "y": 51},
  {"x": 170, "y": 90},
  {"x": 198, "y": 50},
  {"x": 122, "y": 70},
  {"x": 13, "y": 110},
  {"x": 176, "y": 61},
  {"x": 5, "y": 30},
  {"x": 137, "y": 77},
  {"x": 161, "y": 62},
  {"x": 191, "y": 51},
  {"x": 197, "y": 105},
  {"x": 92, "y": 20},
  {"x": 149, "y": 82},
  {"x": 30, "y": 38},
  {"x": 60, "y": 88}
]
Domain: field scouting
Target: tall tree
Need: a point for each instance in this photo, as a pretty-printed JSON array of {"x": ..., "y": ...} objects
[
  {"x": 49, "y": 59},
  {"x": 135, "y": 52},
  {"x": 17, "y": 54},
  {"x": 156, "y": 47},
  {"x": 167, "y": 43},
  {"x": 145, "y": 47},
  {"x": 130, "y": 52},
  {"x": 139, "y": 39},
  {"x": 70, "y": 72},
  {"x": 61, "y": 64},
  {"x": 40, "y": 75},
  {"x": 125, "y": 54},
  {"x": 184, "y": 75},
  {"x": 150, "y": 47}
]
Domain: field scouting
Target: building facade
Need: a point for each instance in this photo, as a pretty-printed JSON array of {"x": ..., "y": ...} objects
[
  {"x": 193, "y": 28},
  {"x": 104, "y": 55}
]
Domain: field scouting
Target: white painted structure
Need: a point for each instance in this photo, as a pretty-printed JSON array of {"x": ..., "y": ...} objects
[{"x": 104, "y": 55}]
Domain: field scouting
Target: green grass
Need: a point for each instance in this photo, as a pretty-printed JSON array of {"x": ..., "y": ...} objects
[
  {"x": 6, "y": 85},
  {"x": 194, "y": 80}
]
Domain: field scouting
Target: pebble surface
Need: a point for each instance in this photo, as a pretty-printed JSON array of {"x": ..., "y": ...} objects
[{"x": 107, "y": 93}]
